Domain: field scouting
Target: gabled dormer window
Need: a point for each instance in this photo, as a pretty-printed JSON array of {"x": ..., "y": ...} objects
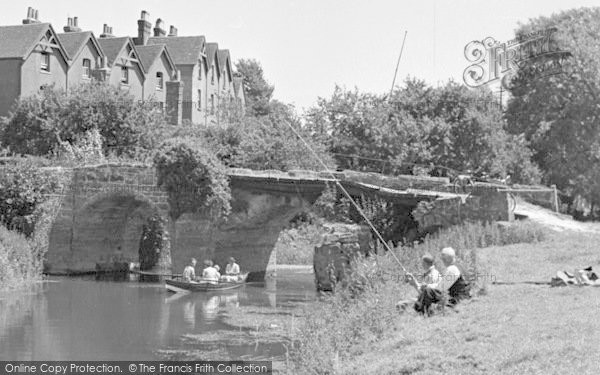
[
  {"x": 45, "y": 64},
  {"x": 87, "y": 68},
  {"x": 159, "y": 81}
]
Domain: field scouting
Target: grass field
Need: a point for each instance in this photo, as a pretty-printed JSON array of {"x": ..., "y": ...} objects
[{"x": 513, "y": 329}]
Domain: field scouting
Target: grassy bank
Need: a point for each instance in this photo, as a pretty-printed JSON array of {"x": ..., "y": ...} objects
[
  {"x": 352, "y": 322},
  {"x": 503, "y": 329}
]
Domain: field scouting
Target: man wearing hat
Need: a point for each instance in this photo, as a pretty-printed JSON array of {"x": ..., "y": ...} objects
[{"x": 451, "y": 288}]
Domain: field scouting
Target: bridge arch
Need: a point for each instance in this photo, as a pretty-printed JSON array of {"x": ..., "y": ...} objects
[{"x": 106, "y": 229}]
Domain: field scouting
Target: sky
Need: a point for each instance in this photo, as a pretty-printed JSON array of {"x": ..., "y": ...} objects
[{"x": 306, "y": 47}]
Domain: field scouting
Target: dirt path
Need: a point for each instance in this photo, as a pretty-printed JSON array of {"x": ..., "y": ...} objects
[{"x": 553, "y": 220}]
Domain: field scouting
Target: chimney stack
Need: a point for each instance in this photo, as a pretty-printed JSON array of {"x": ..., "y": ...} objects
[
  {"x": 144, "y": 29},
  {"x": 159, "y": 29},
  {"x": 32, "y": 16},
  {"x": 172, "y": 31},
  {"x": 72, "y": 25},
  {"x": 107, "y": 32}
]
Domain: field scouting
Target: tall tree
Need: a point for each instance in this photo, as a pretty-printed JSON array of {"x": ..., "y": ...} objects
[
  {"x": 421, "y": 129},
  {"x": 258, "y": 91},
  {"x": 559, "y": 114}
]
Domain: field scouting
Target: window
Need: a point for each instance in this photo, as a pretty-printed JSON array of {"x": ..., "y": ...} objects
[
  {"x": 159, "y": 81},
  {"x": 45, "y": 65},
  {"x": 200, "y": 70},
  {"x": 224, "y": 79},
  {"x": 124, "y": 75},
  {"x": 212, "y": 104},
  {"x": 199, "y": 100},
  {"x": 212, "y": 75},
  {"x": 87, "y": 68}
]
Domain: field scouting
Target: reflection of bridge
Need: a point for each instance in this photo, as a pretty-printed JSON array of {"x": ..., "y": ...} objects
[{"x": 104, "y": 208}]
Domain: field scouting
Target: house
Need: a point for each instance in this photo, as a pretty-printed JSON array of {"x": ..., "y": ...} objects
[
  {"x": 238, "y": 90},
  {"x": 31, "y": 58},
  {"x": 161, "y": 76},
  {"x": 212, "y": 83},
  {"x": 85, "y": 54},
  {"x": 187, "y": 53},
  {"x": 226, "y": 76},
  {"x": 125, "y": 68}
]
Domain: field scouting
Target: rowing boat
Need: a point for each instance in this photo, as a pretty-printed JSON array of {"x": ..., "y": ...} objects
[{"x": 178, "y": 285}]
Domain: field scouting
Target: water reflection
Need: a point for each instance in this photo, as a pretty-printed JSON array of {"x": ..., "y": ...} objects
[{"x": 84, "y": 318}]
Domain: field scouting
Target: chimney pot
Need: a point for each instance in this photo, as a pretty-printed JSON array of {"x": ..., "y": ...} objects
[
  {"x": 144, "y": 15},
  {"x": 37, "y": 15},
  {"x": 75, "y": 22},
  {"x": 29, "y": 12},
  {"x": 172, "y": 31}
]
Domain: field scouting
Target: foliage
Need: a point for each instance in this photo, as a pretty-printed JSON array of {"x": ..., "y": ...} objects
[
  {"x": 256, "y": 88},
  {"x": 18, "y": 265},
  {"x": 193, "y": 177},
  {"x": 154, "y": 237},
  {"x": 23, "y": 186},
  {"x": 558, "y": 114},
  {"x": 39, "y": 123},
  {"x": 420, "y": 129},
  {"x": 85, "y": 149}
]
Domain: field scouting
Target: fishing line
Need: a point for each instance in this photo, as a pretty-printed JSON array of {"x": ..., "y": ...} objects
[{"x": 360, "y": 211}]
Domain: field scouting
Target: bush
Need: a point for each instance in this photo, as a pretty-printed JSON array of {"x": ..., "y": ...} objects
[
  {"x": 23, "y": 186},
  {"x": 41, "y": 122},
  {"x": 18, "y": 265},
  {"x": 194, "y": 178}
]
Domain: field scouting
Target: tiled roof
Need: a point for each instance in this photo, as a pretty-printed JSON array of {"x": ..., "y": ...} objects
[
  {"x": 112, "y": 47},
  {"x": 18, "y": 41},
  {"x": 223, "y": 55},
  {"x": 75, "y": 41},
  {"x": 211, "y": 51},
  {"x": 185, "y": 50},
  {"x": 148, "y": 54}
]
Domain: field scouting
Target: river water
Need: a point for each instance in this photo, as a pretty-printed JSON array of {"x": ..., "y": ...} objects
[{"x": 88, "y": 319}]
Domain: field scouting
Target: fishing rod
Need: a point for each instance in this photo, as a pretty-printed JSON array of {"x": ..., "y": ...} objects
[
  {"x": 360, "y": 211},
  {"x": 397, "y": 65}
]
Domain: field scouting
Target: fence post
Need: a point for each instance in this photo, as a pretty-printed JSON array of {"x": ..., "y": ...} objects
[{"x": 556, "y": 208}]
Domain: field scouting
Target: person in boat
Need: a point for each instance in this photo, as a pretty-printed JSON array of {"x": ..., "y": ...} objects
[
  {"x": 216, "y": 267},
  {"x": 430, "y": 277},
  {"x": 189, "y": 272},
  {"x": 232, "y": 271},
  {"x": 210, "y": 274},
  {"x": 451, "y": 288}
]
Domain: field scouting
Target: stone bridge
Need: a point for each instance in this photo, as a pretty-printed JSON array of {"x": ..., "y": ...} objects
[{"x": 104, "y": 207}]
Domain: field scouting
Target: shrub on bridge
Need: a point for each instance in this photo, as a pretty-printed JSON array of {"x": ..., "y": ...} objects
[{"x": 195, "y": 180}]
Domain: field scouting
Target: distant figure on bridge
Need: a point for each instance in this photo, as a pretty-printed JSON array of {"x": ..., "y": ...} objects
[
  {"x": 232, "y": 270},
  {"x": 451, "y": 288},
  {"x": 210, "y": 274},
  {"x": 189, "y": 273},
  {"x": 430, "y": 277}
]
